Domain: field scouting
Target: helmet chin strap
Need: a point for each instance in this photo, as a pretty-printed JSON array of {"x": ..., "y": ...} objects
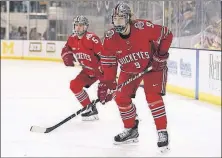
[
  {"x": 81, "y": 34},
  {"x": 124, "y": 32}
]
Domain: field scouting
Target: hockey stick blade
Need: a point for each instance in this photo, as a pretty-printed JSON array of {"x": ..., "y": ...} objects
[
  {"x": 38, "y": 129},
  {"x": 49, "y": 129}
]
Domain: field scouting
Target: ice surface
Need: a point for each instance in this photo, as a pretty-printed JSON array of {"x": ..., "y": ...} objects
[{"x": 37, "y": 93}]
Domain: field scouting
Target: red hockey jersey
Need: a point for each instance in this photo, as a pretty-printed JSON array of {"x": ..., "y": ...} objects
[
  {"x": 133, "y": 53},
  {"x": 86, "y": 50}
]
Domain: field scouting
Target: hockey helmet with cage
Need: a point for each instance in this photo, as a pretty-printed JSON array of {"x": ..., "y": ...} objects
[
  {"x": 80, "y": 20},
  {"x": 121, "y": 16}
]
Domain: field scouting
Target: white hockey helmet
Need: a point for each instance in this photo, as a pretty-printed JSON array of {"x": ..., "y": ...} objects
[
  {"x": 80, "y": 20},
  {"x": 124, "y": 11}
]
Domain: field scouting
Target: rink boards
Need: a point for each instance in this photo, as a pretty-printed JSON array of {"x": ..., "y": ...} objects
[{"x": 193, "y": 73}]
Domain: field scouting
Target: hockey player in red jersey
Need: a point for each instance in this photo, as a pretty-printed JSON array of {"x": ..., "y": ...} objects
[
  {"x": 136, "y": 45},
  {"x": 84, "y": 47}
]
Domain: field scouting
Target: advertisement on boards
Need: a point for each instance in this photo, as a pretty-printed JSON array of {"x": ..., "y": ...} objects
[
  {"x": 53, "y": 49},
  {"x": 185, "y": 68},
  {"x": 50, "y": 47},
  {"x": 210, "y": 72},
  {"x": 49, "y": 50},
  {"x": 182, "y": 68},
  {"x": 10, "y": 48},
  {"x": 35, "y": 47},
  {"x": 172, "y": 67}
]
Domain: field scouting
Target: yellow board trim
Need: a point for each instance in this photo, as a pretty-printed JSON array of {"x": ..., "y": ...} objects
[
  {"x": 31, "y": 58},
  {"x": 210, "y": 98},
  {"x": 180, "y": 90},
  {"x": 13, "y": 57}
]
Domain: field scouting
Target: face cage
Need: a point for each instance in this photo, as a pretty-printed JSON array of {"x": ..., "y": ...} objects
[
  {"x": 80, "y": 33},
  {"x": 121, "y": 28}
]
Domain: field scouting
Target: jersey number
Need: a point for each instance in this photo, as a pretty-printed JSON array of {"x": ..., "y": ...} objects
[
  {"x": 137, "y": 65},
  {"x": 88, "y": 36},
  {"x": 95, "y": 40}
]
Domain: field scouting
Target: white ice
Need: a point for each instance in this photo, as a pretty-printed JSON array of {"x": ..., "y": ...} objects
[{"x": 37, "y": 93}]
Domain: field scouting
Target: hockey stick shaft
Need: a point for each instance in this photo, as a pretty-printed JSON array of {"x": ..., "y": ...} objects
[
  {"x": 81, "y": 64},
  {"x": 132, "y": 79},
  {"x": 49, "y": 129}
]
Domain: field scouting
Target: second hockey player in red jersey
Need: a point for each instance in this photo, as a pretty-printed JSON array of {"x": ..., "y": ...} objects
[
  {"x": 84, "y": 47},
  {"x": 136, "y": 45}
]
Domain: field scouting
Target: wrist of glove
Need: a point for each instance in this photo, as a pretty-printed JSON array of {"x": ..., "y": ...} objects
[
  {"x": 104, "y": 89},
  {"x": 68, "y": 58},
  {"x": 159, "y": 61}
]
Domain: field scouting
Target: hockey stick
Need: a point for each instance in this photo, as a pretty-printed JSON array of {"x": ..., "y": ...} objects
[{"x": 49, "y": 129}]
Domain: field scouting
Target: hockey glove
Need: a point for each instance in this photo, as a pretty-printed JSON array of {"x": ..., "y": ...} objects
[
  {"x": 67, "y": 57},
  {"x": 159, "y": 62},
  {"x": 103, "y": 92}
]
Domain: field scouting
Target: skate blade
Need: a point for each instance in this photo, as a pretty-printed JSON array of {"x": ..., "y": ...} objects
[
  {"x": 164, "y": 149},
  {"x": 133, "y": 140},
  {"x": 90, "y": 118}
]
